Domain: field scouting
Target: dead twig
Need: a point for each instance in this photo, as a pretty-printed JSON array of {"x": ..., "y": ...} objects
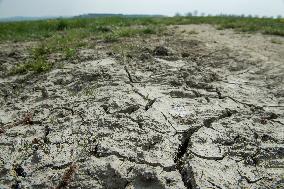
[{"x": 67, "y": 177}]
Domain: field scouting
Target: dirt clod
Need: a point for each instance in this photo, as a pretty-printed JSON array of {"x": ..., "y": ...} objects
[
  {"x": 161, "y": 51},
  {"x": 20, "y": 171}
]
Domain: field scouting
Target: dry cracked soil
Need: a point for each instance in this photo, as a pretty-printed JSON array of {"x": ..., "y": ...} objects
[{"x": 202, "y": 109}]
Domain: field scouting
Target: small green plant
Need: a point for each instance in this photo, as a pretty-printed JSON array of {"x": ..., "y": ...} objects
[
  {"x": 134, "y": 31},
  {"x": 40, "y": 51},
  {"x": 149, "y": 30},
  {"x": 37, "y": 66},
  {"x": 220, "y": 27},
  {"x": 103, "y": 29},
  {"x": 90, "y": 91},
  {"x": 70, "y": 53},
  {"x": 61, "y": 25},
  {"x": 109, "y": 38},
  {"x": 127, "y": 32},
  {"x": 123, "y": 49}
]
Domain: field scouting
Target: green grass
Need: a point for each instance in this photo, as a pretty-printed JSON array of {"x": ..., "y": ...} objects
[
  {"x": 66, "y": 44},
  {"x": 67, "y": 36},
  {"x": 36, "y": 66},
  {"x": 110, "y": 38},
  {"x": 132, "y": 31},
  {"x": 38, "y": 30}
]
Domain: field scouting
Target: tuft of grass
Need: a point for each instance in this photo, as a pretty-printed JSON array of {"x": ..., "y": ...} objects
[
  {"x": 40, "y": 51},
  {"x": 149, "y": 30},
  {"x": 90, "y": 91},
  {"x": 102, "y": 29},
  {"x": 70, "y": 53},
  {"x": 61, "y": 25},
  {"x": 136, "y": 31},
  {"x": 110, "y": 38},
  {"x": 36, "y": 66},
  {"x": 127, "y": 32}
]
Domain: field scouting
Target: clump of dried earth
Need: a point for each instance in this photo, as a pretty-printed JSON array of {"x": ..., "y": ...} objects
[{"x": 202, "y": 109}]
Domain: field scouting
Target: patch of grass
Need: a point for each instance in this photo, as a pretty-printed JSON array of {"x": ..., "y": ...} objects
[
  {"x": 110, "y": 38},
  {"x": 66, "y": 36},
  {"x": 102, "y": 29},
  {"x": 40, "y": 51},
  {"x": 38, "y": 30},
  {"x": 127, "y": 32},
  {"x": 136, "y": 31},
  {"x": 70, "y": 53},
  {"x": 61, "y": 25},
  {"x": 90, "y": 91},
  {"x": 149, "y": 30},
  {"x": 123, "y": 48},
  {"x": 36, "y": 66},
  {"x": 65, "y": 44},
  {"x": 263, "y": 25}
]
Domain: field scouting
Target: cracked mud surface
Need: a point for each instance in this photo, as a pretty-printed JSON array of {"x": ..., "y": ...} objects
[{"x": 183, "y": 111}]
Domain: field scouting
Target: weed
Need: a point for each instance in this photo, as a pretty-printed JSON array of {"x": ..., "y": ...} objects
[
  {"x": 103, "y": 29},
  {"x": 70, "y": 53},
  {"x": 38, "y": 65},
  {"x": 40, "y": 51},
  {"x": 124, "y": 49},
  {"x": 61, "y": 25},
  {"x": 72, "y": 93},
  {"x": 134, "y": 31},
  {"x": 90, "y": 91},
  {"x": 127, "y": 32},
  {"x": 149, "y": 30},
  {"x": 110, "y": 38}
]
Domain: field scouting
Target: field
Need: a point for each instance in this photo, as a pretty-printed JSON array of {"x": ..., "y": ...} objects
[
  {"x": 65, "y": 36},
  {"x": 33, "y": 30},
  {"x": 158, "y": 102}
]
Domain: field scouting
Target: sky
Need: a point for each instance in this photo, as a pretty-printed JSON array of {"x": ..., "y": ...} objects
[{"x": 36, "y": 8}]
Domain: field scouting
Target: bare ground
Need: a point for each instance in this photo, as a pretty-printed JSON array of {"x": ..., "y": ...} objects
[{"x": 197, "y": 108}]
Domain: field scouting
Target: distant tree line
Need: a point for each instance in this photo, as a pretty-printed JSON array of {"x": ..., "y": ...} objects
[{"x": 195, "y": 13}]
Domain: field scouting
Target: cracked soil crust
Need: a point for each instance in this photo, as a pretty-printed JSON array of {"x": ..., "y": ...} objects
[{"x": 183, "y": 111}]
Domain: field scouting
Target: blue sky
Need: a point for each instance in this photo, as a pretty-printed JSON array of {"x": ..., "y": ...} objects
[{"x": 9, "y": 8}]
